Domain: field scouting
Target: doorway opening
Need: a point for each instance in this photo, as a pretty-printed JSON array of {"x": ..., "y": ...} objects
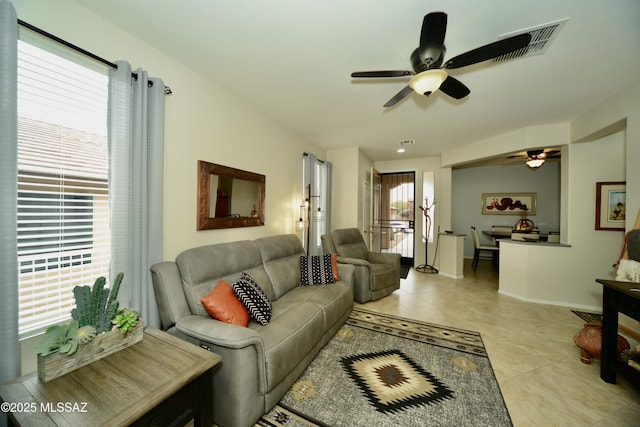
[{"x": 396, "y": 223}]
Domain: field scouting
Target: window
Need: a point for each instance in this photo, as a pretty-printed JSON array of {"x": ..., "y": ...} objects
[
  {"x": 428, "y": 198},
  {"x": 63, "y": 195}
]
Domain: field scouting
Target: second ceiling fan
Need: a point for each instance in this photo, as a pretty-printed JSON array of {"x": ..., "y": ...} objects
[{"x": 429, "y": 74}]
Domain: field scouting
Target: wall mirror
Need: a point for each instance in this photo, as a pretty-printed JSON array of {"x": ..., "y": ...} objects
[{"x": 229, "y": 197}]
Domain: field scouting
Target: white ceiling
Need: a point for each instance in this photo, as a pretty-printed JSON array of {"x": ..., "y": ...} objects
[{"x": 293, "y": 60}]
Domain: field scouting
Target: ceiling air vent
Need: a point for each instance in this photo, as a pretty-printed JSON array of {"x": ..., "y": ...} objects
[
  {"x": 408, "y": 142},
  {"x": 541, "y": 37}
]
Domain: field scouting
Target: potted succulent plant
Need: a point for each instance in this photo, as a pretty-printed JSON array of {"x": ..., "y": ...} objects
[{"x": 99, "y": 328}]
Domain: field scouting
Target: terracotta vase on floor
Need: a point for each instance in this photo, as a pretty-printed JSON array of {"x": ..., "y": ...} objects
[{"x": 589, "y": 339}]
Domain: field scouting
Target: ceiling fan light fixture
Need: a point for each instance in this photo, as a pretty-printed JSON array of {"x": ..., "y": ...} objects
[
  {"x": 534, "y": 163},
  {"x": 427, "y": 82}
]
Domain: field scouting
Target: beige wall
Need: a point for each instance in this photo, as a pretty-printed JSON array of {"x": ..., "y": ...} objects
[{"x": 345, "y": 193}]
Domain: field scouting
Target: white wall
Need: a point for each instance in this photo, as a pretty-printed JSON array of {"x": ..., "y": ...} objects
[
  {"x": 604, "y": 145},
  {"x": 542, "y": 136},
  {"x": 469, "y": 184},
  {"x": 620, "y": 113},
  {"x": 566, "y": 275}
]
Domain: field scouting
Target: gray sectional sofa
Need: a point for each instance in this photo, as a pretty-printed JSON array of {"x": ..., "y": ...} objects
[{"x": 259, "y": 363}]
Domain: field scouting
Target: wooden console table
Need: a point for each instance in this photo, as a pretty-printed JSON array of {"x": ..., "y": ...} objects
[
  {"x": 618, "y": 297},
  {"x": 162, "y": 380}
]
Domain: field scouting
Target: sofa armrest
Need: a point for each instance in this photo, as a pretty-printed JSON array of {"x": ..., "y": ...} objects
[
  {"x": 218, "y": 333},
  {"x": 167, "y": 286},
  {"x": 346, "y": 271},
  {"x": 380, "y": 258},
  {"x": 241, "y": 349},
  {"x": 352, "y": 261}
]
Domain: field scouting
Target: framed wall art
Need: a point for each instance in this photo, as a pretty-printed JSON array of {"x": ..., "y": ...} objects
[
  {"x": 611, "y": 204},
  {"x": 508, "y": 203}
]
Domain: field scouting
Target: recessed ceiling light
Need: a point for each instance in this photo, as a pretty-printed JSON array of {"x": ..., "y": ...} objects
[{"x": 403, "y": 143}]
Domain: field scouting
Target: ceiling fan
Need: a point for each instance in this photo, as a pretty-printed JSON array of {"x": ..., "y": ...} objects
[
  {"x": 536, "y": 158},
  {"x": 429, "y": 73}
]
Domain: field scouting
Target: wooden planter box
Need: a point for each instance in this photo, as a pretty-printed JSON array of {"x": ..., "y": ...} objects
[{"x": 56, "y": 365}]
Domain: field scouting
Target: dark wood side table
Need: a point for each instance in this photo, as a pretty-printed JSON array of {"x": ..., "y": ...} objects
[
  {"x": 618, "y": 297},
  {"x": 160, "y": 381}
]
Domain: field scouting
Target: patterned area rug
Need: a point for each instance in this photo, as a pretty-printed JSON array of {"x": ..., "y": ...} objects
[{"x": 382, "y": 370}]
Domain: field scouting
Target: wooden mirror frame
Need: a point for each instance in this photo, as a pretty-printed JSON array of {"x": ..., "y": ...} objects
[{"x": 205, "y": 221}]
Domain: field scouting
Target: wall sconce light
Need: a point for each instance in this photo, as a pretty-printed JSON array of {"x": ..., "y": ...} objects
[
  {"x": 306, "y": 216},
  {"x": 300, "y": 223}
]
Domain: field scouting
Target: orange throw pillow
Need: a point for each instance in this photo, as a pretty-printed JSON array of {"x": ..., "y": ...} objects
[
  {"x": 334, "y": 266},
  {"x": 222, "y": 304}
]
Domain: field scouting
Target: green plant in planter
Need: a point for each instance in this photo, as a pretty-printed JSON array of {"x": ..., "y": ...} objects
[
  {"x": 97, "y": 306},
  {"x": 59, "y": 339},
  {"x": 85, "y": 334},
  {"x": 126, "y": 320}
]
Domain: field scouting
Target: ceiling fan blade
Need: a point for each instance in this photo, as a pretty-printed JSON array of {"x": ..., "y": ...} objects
[
  {"x": 454, "y": 88},
  {"x": 434, "y": 28},
  {"x": 398, "y": 97},
  {"x": 489, "y": 51},
  {"x": 385, "y": 73}
]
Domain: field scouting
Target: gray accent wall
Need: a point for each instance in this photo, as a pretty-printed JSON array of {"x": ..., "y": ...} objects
[{"x": 468, "y": 184}]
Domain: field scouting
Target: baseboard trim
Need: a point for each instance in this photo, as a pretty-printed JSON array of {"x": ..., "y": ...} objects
[
  {"x": 451, "y": 276},
  {"x": 597, "y": 309}
]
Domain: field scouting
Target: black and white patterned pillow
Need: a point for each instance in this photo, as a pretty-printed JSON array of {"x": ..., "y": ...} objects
[
  {"x": 316, "y": 270},
  {"x": 253, "y": 298}
]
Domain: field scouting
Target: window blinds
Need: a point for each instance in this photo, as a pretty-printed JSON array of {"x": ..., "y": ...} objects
[{"x": 63, "y": 197}]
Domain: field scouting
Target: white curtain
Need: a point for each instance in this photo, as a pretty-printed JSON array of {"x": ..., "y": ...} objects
[
  {"x": 316, "y": 185},
  {"x": 10, "y": 348},
  {"x": 136, "y": 134}
]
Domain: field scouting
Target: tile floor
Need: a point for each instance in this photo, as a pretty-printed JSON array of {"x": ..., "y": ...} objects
[{"x": 530, "y": 346}]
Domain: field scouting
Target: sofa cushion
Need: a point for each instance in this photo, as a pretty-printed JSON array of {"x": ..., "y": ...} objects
[
  {"x": 253, "y": 298},
  {"x": 316, "y": 270},
  {"x": 281, "y": 257},
  {"x": 222, "y": 304},
  {"x": 202, "y": 267},
  {"x": 295, "y": 329},
  {"x": 334, "y": 300},
  {"x": 349, "y": 243}
]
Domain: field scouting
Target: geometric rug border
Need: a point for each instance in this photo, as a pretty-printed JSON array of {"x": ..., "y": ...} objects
[{"x": 416, "y": 330}]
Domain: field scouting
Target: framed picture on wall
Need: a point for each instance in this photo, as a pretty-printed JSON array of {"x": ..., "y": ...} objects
[
  {"x": 508, "y": 203},
  {"x": 611, "y": 204}
]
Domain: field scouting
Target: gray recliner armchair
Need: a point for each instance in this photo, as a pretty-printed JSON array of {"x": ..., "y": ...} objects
[{"x": 376, "y": 274}]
